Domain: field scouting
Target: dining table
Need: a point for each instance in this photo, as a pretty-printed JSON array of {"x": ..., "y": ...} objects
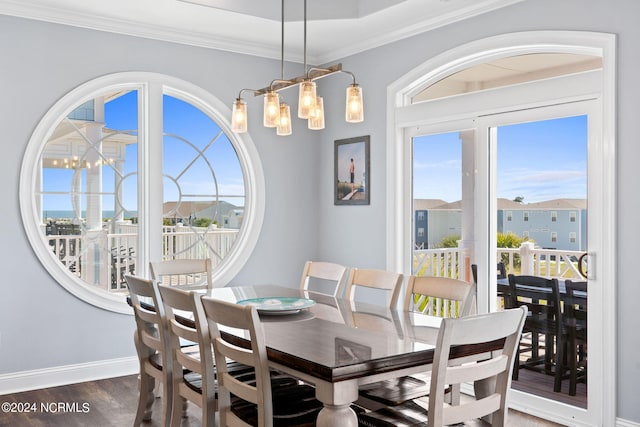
[{"x": 338, "y": 345}]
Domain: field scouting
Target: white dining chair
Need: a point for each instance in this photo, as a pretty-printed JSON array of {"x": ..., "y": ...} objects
[
  {"x": 260, "y": 403},
  {"x": 152, "y": 346},
  {"x": 387, "y": 281},
  {"x": 439, "y": 296},
  {"x": 435, "y": 296},
  {"x": 490, "y": 374},
  {"x": 185, "y": 273},
  {"x": 193, "y": 377},
  {"x": 320, "y": 276}
]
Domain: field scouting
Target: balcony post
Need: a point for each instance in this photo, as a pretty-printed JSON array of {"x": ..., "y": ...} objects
[{"x": 526, "y": 258}]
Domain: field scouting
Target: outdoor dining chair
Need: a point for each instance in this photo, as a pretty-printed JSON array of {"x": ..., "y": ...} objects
[
  {"x": 575, "y": 313},
  {"x": 544, "y": 324}
]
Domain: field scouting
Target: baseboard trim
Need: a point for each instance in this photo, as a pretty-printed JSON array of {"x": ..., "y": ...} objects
[
  {"x": 69, "y": 374},
  {"x": 626, "y": 423}
]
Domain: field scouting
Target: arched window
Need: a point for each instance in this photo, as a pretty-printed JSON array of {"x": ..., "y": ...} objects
[{"x": 138, "y": 167}]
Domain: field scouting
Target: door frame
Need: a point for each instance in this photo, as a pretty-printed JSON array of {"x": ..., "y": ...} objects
[{"x": 599, "y": 86}]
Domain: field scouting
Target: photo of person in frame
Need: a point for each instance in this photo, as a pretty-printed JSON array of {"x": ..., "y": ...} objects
[{"x": 352, "y": 169}]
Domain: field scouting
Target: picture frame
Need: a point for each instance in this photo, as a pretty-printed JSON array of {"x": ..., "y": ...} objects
[{"x": 351, "y": 171}]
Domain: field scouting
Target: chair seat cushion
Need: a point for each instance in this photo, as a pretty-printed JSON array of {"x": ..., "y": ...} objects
[
  {"x": 293, "y": 405},
  {"x": 244, "y": 373}
]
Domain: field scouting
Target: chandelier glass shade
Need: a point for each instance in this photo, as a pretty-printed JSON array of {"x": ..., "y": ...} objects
[
  {"x": 271, "y": 109},
  {"x": 354, "y": 112},
  {"x": 284, "y": 122},
  {"x": 276, "y": 114},
  {"x": 316, "y": 115},
  {"x": 239, "y": 119},
  {"x": 306, "y": 99}
]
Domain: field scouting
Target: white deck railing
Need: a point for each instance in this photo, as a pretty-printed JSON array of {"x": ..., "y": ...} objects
[
  {"x": 120, "y": 250},
  {"x": 180, "y": 242},
  {"x": 448, "y": 262}
]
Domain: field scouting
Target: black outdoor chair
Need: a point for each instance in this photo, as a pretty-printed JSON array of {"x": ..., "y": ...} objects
[{"x": 544, "y": 321}]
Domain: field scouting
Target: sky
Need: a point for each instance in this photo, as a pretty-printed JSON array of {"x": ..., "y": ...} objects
[
  {"x": 198, "y": 159},
  {"x": 537, "y": 161}
]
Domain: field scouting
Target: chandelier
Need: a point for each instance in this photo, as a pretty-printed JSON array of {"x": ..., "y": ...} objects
[{"x": 277, "y": 113}]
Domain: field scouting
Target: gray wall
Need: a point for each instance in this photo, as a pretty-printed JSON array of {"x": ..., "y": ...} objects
[{"x": 40, "y": 62}]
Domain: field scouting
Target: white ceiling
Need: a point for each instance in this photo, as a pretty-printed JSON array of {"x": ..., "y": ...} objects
[{"x": 335, "y": 28}]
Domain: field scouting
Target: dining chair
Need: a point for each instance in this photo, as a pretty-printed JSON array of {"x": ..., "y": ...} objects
[
  {"x": 319, "y": 276},
  {"x": 259, "y": 404},
  {"x": 439, "y": 296},
  {"x": 501, "y": 270},
  {"x": 575, "y": 313},
  {"x": 435, "y": 296},
  {"x": 193, "y": 376},
  {"x": 152, "y": 347},
  {"x": 384, "y": 280},
  {"x": 491, "y": 375},
  {"x": 185, "y": 273},
  {"x": 544, "y": 321}
]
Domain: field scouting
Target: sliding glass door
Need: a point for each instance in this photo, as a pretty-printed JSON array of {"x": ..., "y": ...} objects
[{"x": 541, "y": 230}]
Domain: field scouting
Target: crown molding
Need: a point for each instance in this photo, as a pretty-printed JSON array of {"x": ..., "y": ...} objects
[{"x": 396, "y": 23}]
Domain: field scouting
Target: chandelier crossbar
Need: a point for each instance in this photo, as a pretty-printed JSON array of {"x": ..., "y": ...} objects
[{"x": 312, "y": 74}]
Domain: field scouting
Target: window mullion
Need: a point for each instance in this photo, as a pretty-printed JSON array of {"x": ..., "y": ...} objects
[{"x": 150, "y": 197}]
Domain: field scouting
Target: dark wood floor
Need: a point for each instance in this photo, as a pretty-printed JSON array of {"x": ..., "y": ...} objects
[{"x": 112, "y": 402}]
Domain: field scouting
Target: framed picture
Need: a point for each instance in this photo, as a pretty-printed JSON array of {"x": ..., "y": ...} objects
[{"x": 351, "y": 171}]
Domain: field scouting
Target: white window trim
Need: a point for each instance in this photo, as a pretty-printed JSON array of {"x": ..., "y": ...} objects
[
  {"x": 217, "y": 110},
  {"x": 401, "y": 114}
]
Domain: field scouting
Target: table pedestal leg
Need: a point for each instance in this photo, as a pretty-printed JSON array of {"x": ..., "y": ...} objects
[{"x": 332, "y": 416}]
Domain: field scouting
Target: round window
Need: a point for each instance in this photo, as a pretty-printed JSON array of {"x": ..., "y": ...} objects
[{"x": 138, "y": 167}]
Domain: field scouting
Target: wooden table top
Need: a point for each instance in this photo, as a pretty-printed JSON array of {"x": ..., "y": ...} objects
[{"x": 336, "y": 340}]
